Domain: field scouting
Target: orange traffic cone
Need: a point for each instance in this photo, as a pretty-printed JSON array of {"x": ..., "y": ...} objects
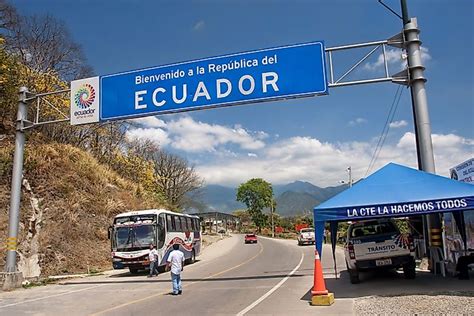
[{"x": 320, "y": 295}]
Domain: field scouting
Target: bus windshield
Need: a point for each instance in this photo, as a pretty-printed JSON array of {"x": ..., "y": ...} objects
[{"x": 134, "y": 237}]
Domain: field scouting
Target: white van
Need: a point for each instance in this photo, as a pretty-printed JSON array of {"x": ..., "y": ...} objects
[{"x": 378, "y": 244}]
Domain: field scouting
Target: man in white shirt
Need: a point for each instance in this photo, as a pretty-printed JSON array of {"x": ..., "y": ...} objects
[
  {"x": 176, "y": 262},
  {"x": 153, "y": 258}
]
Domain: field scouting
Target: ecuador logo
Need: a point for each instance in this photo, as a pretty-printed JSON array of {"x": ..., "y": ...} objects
[{"x": 84, "y": 96}]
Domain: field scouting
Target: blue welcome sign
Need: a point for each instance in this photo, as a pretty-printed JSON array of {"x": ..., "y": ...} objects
[{"x": 263, "y": 75}]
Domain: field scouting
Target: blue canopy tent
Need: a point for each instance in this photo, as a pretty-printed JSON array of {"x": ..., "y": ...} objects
[{"x": 392, "y": 191}]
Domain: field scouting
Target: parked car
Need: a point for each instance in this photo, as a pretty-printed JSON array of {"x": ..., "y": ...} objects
[
  {"x": 378, "y": 244},
  {"x": 306, "y": 236},
  {"x": 250, "y": 239}
]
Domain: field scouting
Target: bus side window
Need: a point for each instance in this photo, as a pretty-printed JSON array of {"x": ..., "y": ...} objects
[
  {"x": 184, "y": 221},
  {"x": 171, "y": 227},
  {"x": 161, "y": 231},
  {"x": 186, "y": 227},
  {"x": 177, "y": 221},
  {"x": 189, "y": 222}
]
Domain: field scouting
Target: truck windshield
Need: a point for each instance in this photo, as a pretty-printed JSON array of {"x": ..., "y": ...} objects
[
  {"x": 134, "y": 237},
  {"x": 374, "y": 228}
]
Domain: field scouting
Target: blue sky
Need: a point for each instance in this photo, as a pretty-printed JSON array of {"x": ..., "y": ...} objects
[{"x": 312, "y": 139}]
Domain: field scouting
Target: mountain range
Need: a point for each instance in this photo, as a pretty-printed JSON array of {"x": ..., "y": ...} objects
[{"x": 294, "y": 198}]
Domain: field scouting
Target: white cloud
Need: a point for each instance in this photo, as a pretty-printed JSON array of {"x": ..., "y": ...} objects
[
  {"x": 156, "y": 135},
  {"x": 191, "y": 136},
  {"x": 425, "y": 54},
  {"x": 199, "y": 25},
  {"x": 396, "y": 59},
  {"x": 324, "y": 164},
  {"x": 283, "y": 160},
  {"x": 149, "y": 121},
  {"x": 357, "y": 121},
  {"x": 449, "y": 149},
  {"x": 398, "y": 124}
]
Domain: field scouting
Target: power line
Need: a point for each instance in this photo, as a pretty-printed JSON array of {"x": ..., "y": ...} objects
[
  {"x": 386, "y": 128},
  {"x": 390, "y": 9}
]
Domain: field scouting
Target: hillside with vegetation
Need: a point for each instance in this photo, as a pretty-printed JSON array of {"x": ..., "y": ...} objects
[
  {"x": 68, "y": 201},
  {"x": 75, "y": 178}
]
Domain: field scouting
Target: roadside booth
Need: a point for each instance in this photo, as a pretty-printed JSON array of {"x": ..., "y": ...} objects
[{"x": 392, "y": 191}]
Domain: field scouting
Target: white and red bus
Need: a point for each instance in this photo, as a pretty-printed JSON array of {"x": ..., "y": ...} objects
[{"x": 133, "y": 232}]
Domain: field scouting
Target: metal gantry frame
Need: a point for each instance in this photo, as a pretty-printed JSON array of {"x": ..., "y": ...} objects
[
  {"x": 40, "y": 101},
  {"x": 395, "y": 41}
]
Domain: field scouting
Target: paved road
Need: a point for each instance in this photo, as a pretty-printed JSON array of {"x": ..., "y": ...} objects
[{"x": 270, "y": 277}]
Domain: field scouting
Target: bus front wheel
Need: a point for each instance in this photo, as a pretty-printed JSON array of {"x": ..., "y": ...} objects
[{"x": 133, "y": 270}]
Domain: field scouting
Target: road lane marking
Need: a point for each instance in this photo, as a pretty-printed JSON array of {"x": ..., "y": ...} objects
[
  {"x": 49, "y": 296},
  {"x": 264, "y": 296},
  {"x": 185, "y": 285}
]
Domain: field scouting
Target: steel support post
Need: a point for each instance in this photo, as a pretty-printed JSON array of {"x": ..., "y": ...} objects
[
  {"x": 14, "y": 215},
  {"x": 273, "y": 224},
  {"x": 422, "y": 120}
]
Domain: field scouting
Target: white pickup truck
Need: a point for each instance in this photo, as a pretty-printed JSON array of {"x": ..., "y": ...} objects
[
  {"x": 378, "y": 244},
  {"x": 306, "y": 236}
]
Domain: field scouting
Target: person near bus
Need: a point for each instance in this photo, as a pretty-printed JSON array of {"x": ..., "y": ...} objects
[
  {"x": 153, "y": 258},
  {"x": 176, "y": 262}
]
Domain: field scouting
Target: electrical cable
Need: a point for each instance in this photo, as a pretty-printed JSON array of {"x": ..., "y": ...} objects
[
  {"x": 382, "y": 133},
  {"x": 390, "y": 9},
  {"x": 386, "y": 128}
]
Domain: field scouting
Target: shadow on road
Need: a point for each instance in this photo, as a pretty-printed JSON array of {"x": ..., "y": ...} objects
[
  {"x": 289, "y": 270},
  {"x": 154, "y": 280},
  {"x": 141, "y": 273},
  {"x": 391, "y": 283}
]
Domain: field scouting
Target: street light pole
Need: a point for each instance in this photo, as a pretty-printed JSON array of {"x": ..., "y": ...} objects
[
  {"x": 420, "y": 109},
  {"x": 273, "y": 226},
  {"x": 350, "y": 176}
]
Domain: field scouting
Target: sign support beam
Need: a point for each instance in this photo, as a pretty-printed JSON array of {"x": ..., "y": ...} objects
[
  {"x": 12, "y": 277},
  {"x": 420, "y": 111}
]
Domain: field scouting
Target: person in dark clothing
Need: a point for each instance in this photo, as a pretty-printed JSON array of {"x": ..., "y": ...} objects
[{"x": 463, "y": 266}]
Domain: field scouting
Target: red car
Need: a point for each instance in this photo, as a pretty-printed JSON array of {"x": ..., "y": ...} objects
[{"x": 250, "y": 239}]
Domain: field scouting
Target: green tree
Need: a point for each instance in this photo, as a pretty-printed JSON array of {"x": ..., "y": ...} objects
[{"x": 256, "y": 194}]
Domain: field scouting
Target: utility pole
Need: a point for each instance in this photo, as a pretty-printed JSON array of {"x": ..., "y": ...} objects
[
  {"x": 273, "y": 226},
  {"x": 420, "y": 110},
  {"x": 13, "y": 278},
  {"x": 350, "y": 176}
]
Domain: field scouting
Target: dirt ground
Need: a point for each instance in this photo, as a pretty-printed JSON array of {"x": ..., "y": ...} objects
[{"x": 210, "y": 239}]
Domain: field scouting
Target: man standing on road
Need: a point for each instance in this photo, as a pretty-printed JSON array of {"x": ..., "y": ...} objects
[
  {"x": 153, "y": 258},
  {"x": 176, "y": 262}
]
